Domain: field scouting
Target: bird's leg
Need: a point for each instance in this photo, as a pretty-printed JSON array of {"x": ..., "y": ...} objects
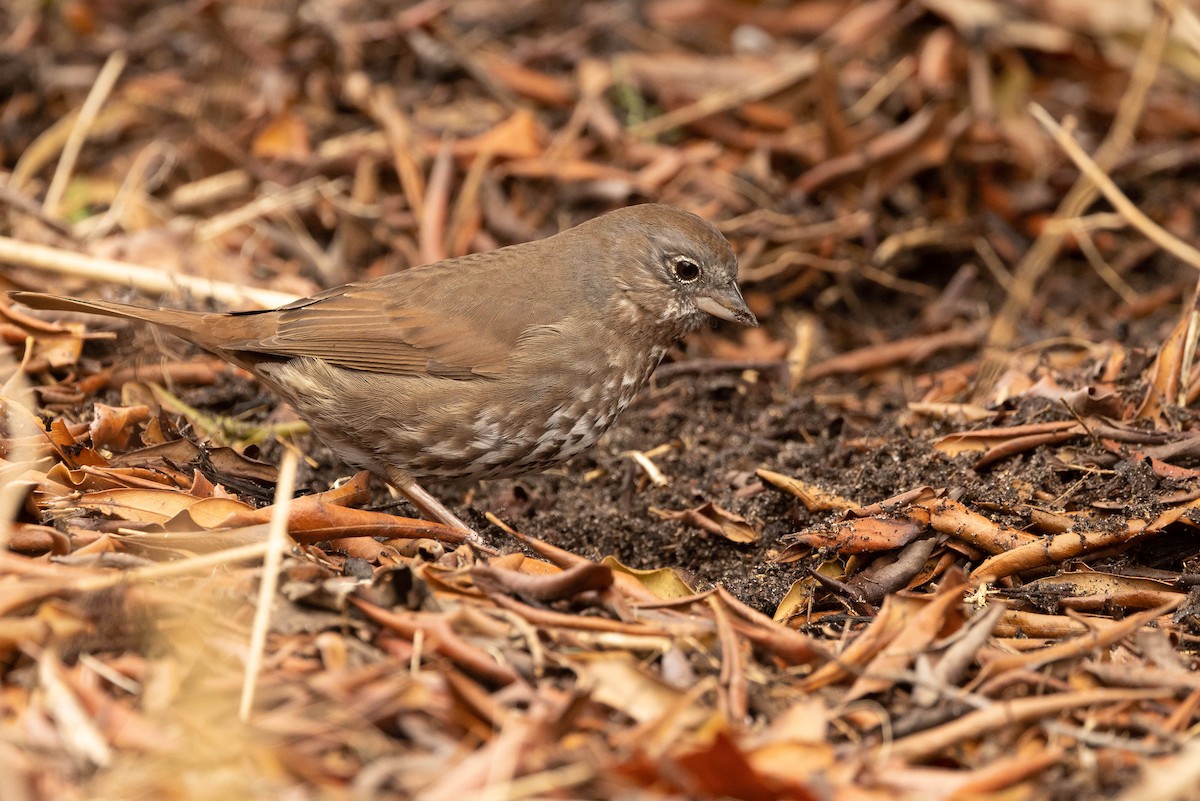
[{"x": 426, "y": 504}]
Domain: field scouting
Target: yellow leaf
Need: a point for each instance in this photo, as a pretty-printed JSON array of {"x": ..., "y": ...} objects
[{"x": 663, "y": 583}]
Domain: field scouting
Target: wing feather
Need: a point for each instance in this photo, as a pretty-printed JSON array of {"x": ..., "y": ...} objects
[{"x": 410, "y": 323}]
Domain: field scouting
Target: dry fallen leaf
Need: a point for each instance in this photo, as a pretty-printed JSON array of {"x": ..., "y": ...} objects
[{"x": 715, "y": 520}]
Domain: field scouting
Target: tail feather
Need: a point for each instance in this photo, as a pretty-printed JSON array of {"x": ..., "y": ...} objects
[{"x": 183, "y": 324}]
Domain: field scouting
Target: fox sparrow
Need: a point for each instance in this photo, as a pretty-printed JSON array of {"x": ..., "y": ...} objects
[{"x": 489, "y": 365}]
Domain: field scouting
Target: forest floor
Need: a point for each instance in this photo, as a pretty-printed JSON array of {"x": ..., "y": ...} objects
[{"x": 928, "y": 531}]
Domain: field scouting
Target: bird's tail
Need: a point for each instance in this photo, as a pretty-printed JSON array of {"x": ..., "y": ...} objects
[{"x": 181, "y": 323}]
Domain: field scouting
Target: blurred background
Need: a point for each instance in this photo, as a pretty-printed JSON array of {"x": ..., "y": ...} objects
[{"x": 853, "y": 152}]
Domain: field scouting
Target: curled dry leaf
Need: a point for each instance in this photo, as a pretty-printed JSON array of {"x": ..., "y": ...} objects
[
  {"x": 1039, "y": 628},
  {"x": 887, "y": 576},
  {"x": 720, "y": 768},
  {"x": 438, "y": 631},
  {"x": 935, "y": 615},
  {"x": 61, "y": 350},
  {"x": 577, "y": 579},
  {"x": 162, "y": 507},
  {"x": 991, "y": 438},
  {"x": 911, "y": 497},
  {"x": 514, "y": 138},
  {"x": 955, "y": 520},
  {"x": 881, "y": 630},
  {"x": 1088, "y": 401},
  {"x": 70, "y": 450},
  {"x": 285, "y": 137},
  {"x": 312, "y": 520},
  {"x": 1073, "y": 542},
  {"x": 95, "y": 478},
  {"x": 1094, "y": 591},
  {"x": 1166, "y": 378},
  {"x": 715, "y": 520},
  {"x": 797, "y": 601},
  {"x": 967, "y": 412},
  {"x": 1109, "y": 632},
  {"x": 184, "y": 452},
  {"x": 662, "y": 583},
  {"x": 625, "y": 684},
  {"x": 163, "y": 545},
  {"x": 813, "y": 497},
  {"x": 112, "y": 427},
  {"x": 32, "y": 539},
  {"x": 862, "y": 535}
]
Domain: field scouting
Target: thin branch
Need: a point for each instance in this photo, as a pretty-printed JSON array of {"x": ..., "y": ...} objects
[
  {"x": 1092, "y": 171},
  {"x": 149, "y": 280},
  {"x": 277, "y": 543},
  {"x": 99, "y": 92}
]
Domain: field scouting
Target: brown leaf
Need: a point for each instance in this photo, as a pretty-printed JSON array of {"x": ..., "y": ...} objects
[
  {"x": 664, "y": 583},
  {"x": 314, "y": 518},
  {"x": 866, "y": 535},
  {"x": 1167, "y": 374},
  {"x": 285, "y": 137},
  {"x": 162, "y": 506},
  {"x": 813, "y": 497},
  {"x": 721, "y": 769},
  {"x": 623, "y": 683},
  {"x": 580, "y": 578},
  {"x": 715, "y": 520},
  {"x": 934, "y": 616},
  {"x": 31, "y": 539},
  {"x": 113, "y": 426},
  {"x": 70, "y": 450},
  {"x": 514, "y": 138},
  {"x": 528, "y": 82}
]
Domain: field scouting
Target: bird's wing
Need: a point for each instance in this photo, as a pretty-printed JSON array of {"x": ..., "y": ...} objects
[{"x": 407, "y": 324}]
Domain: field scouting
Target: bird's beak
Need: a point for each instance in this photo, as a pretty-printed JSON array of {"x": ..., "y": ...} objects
[{"x": 727, "y": 303}]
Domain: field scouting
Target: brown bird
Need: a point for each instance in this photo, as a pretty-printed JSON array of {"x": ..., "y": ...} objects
[{"x": 490, "y": 365}]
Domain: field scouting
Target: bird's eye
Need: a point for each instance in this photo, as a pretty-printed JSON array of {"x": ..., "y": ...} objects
[{"x": 684, "y": 269}]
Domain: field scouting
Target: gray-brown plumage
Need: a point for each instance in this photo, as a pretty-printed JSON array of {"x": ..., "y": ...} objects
[{"x": 489, "y": 365}]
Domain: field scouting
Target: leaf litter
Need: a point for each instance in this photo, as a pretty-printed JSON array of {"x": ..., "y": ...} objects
[{"x": 931, "y": 530}]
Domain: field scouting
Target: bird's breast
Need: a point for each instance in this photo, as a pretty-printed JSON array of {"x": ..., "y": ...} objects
[{"x": 536, "y": 422}]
